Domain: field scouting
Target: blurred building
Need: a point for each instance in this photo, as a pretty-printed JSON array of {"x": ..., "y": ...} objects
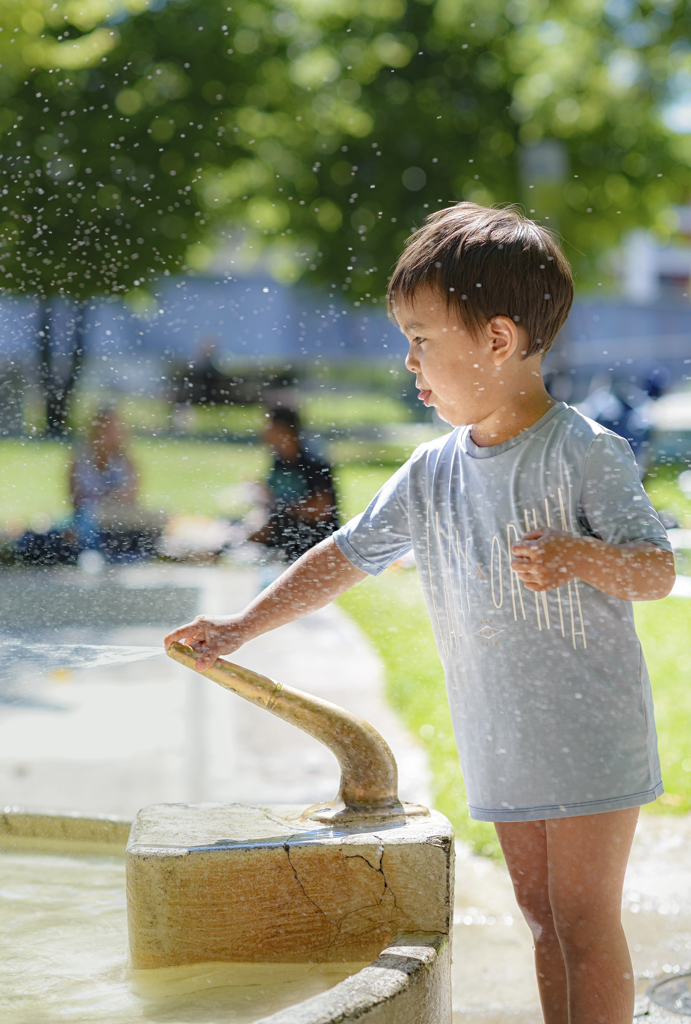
[
  {"x": 651, "y": 271},
  {"x": 229, "y": 338},
  {"x": 205, "y": 339},
  {"x": 615, "y": 339},
  {"x": 643, "y": 330}
]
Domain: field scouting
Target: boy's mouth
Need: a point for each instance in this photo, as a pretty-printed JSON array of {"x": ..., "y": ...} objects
[{"x": 424, "y": 395}]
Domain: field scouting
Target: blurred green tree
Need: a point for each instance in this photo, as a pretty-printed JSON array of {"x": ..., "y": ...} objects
[{"x": 133, "y": 132}]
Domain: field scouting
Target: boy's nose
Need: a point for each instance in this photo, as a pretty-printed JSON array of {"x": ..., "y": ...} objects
[{"x": 411, "y": 363}]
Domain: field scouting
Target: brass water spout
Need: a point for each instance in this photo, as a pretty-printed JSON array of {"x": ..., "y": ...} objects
[{"x": 369, "y": 774}]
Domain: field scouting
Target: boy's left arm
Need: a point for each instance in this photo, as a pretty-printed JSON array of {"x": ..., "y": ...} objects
[{"x": 545, "y": 559}]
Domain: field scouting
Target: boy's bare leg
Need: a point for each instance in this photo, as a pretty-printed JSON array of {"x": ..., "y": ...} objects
[
  {"x": 525, "y": 848},
  {"x": 587, "y": 859},
  {"x": 580, "y": 866}
]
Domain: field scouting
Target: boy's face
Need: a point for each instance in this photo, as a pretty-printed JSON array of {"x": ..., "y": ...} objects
[{"x": 462, "y": 374}]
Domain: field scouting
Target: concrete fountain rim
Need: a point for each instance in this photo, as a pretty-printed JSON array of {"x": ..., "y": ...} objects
[{"x": 403, "y": 972}]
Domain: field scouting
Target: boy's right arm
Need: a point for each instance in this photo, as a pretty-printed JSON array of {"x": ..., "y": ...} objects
[{"x": 318, "y": 577}]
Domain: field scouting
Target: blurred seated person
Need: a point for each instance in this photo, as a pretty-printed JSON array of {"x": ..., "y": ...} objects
[
  {"x": 300, "y": 496},
  {"x": 103, "y": 489},
  {"x": 103, "y": 481}
]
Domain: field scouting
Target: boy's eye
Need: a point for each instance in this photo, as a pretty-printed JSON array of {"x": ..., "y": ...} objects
[{"x": 419, "y": 341}]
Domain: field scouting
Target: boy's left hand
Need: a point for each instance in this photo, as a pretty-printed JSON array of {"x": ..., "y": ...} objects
[{"x": 545, "y": 559}]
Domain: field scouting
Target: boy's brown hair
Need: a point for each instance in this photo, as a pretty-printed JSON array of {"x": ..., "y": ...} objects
[{"x": 489, "y": 262}]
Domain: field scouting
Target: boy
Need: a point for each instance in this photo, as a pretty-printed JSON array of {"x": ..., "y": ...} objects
[{"x": 532, "y": 535}]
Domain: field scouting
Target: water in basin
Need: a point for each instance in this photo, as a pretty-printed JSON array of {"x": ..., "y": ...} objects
[{"x": 63, "y": 956}]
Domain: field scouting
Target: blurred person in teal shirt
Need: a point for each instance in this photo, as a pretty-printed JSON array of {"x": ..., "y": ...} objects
[{"x": 300, "y": 496}]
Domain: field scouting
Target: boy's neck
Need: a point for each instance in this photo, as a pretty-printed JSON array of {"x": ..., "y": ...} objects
[{"x": 526, "y": 406}]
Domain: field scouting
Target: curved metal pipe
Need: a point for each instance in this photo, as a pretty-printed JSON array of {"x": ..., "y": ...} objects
[{"x": 369, "y": 774}]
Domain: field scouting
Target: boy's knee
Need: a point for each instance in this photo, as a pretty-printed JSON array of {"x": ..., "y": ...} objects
[
  {"x": 579, "y": 927},
  {"x": 538, "y": 916}
]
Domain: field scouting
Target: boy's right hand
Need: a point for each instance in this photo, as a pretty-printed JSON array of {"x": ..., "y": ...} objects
[
  {"x": 544, "y": 559},
  {"x": 211, "y": 636}
]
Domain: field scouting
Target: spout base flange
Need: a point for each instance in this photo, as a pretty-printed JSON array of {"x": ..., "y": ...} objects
[{"x": 338, "y": 813}]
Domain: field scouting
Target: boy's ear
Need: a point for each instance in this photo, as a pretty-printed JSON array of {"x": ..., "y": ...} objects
[{"x": 503, "y": 338}]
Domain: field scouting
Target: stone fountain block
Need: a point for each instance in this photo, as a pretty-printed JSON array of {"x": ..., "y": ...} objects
[{"x": 228, "y": 882}]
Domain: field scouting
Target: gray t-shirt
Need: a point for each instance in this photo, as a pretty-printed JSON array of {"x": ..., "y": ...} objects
[{"x": 549, "y": 693}]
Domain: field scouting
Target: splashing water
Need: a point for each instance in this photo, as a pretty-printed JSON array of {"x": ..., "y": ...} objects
[{"x": 16, "y": 653}]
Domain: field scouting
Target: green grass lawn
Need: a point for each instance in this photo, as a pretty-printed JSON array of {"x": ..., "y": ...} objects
[
  {"x": 34, "y": 478},
  {"x": 194, "y": 477},
  {"x": 321, "y": 409},
  {"x": 664, "y": 628},
  {"x": 175, "y": 475},
  {"x": 665, "y": 493}
]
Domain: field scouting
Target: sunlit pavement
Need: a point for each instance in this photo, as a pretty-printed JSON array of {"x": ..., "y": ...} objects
[{"x": 111, "y": 740}]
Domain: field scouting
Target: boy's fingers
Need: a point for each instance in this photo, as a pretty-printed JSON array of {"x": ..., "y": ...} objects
[
  {"x": 527, "y": 569},
  {"x": 522, "y": 571},
  {"x": 537, "y": 580},
  {"x": 190, "y": 631},
  {"x": 527, "y": 576},
  {"x": 534, "y": 534},
  {"x": 524, "y": 553},
  {"x": 207, "y": 659},
  {"x": 528, "y": 543}
]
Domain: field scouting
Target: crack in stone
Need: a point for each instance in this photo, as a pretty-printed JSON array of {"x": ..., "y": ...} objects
[
  {"x": 286, "y": 847},
  {"x": 380, "y": 871},
  {"x": 340, "y": 923},
  {"x": 361, "y": 856}
]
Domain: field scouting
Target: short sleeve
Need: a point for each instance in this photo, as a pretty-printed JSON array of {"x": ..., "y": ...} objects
[
  {"x": 614, "y": 506},
  {"x": 380, "y": 535}
]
